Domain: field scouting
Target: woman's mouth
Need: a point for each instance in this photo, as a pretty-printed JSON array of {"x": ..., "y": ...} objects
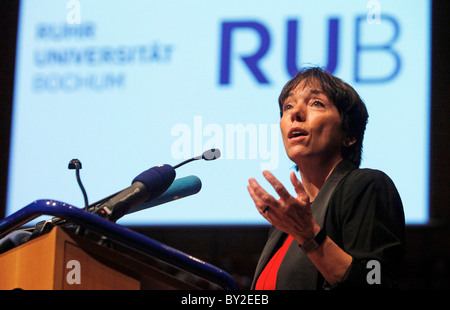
[{"x": 296, "y": 132}]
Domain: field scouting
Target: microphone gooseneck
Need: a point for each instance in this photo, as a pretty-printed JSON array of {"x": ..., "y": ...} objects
[
  {"x": 207, "y": 155},
  {"x": 76, "y": 164}
]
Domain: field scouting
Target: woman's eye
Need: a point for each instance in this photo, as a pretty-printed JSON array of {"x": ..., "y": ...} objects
[
  {"x": 287, "y": 107},
  {"x": 317, "y": 104}
]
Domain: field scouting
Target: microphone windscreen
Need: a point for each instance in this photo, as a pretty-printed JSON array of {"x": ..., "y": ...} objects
[
  {"x": 211, "y": 154},
  {"x": 157, "y": 179},
  {"x": 180, "y": 188}
]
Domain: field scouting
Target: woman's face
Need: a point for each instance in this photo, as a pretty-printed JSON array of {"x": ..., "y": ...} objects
[{"x": 311, "y": 125}]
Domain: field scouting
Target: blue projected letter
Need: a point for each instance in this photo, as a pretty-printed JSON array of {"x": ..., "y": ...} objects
[
  {"x": 381, "y": 48},
  {"x": 291, "y": 49},
  {"x": 252, "y": 60}
]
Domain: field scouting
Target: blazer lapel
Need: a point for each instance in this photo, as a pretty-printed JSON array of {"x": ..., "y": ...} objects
[
  {"x": 320, "y": 204},
  {"x": 274, "y": 242}
]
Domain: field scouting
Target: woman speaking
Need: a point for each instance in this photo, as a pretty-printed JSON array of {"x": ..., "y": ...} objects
[{"x": 345, "y": 228}]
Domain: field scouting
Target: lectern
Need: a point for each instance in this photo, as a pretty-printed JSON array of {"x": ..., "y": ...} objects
[{"x": 64, "y": 260}]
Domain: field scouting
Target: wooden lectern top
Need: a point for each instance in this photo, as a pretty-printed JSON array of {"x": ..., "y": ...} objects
[{"x": 61, "y": 260}]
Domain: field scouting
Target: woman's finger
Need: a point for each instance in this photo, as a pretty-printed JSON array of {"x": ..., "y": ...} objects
[
  {"x": 279, "y": 188},
  {"x": 258, "y": 203},
  {"x": 298, "y": 186},
  {"x": 260, "y": 196}
]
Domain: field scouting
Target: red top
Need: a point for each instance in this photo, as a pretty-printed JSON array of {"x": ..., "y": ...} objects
[{"x": 268, "y": 278}]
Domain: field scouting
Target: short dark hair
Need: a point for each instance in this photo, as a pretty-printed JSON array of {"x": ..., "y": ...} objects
[{"x": 353, "y": 111}]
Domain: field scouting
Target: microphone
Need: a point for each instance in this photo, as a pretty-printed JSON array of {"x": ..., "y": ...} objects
[
  {"x": 207, "y": 155},
  {"x": 145, "y": 188},
  {"x": 180, "y": 188},
  {"x": 147, "y": 185}
]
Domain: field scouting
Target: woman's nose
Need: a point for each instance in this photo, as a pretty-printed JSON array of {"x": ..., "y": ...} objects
[{"x": 298, "y": 113}]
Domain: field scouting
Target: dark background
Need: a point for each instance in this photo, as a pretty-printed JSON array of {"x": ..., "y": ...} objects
[{"x": 236, "y": 248}]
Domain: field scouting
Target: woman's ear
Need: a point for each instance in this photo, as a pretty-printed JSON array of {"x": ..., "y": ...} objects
[{"x": 349, "y": 141}]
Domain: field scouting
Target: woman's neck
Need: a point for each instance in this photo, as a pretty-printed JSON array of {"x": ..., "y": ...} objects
[{"x": 315, "y": 173}]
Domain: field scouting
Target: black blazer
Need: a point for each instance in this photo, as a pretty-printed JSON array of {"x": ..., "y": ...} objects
[{"x": 361, "y": 210}]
